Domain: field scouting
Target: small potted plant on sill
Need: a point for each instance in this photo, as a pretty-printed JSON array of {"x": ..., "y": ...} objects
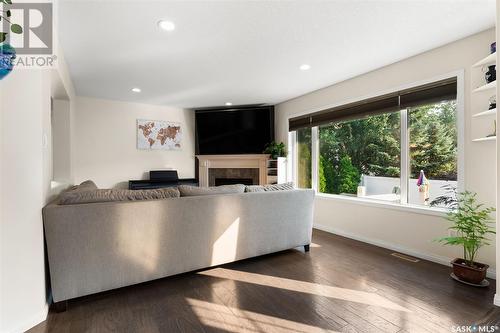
[
  {"x": 275, "y": 150},
  {"x": 471, "y": 223}
]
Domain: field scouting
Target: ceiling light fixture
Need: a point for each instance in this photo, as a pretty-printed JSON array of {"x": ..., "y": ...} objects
[
  {"x": 166, "y": 25},
  {"x": 229, "y": 103},
  {"x": 136, "y": 90},
  {"x": 305, "y": 67}
]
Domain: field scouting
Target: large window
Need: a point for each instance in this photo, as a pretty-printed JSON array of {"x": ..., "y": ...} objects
[{"x": 407, "y": 154}]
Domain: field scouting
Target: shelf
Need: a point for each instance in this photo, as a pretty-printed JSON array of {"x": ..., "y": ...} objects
[
  {"x": 489, "y": 138},
  {"x": 485, "y": 113},
  {"x": 491, "y": 59},
  {"x": 485, "y": 87}
]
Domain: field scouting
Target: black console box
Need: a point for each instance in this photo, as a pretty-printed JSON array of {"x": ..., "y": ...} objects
[
  {"x": 165, "y": 175},
  {"x": 160, "y": 179}
]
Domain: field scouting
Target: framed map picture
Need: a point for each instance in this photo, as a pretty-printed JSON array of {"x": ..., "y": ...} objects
[{"x": 158, "y": 135}]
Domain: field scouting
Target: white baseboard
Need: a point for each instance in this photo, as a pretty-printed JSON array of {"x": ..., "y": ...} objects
[
  {"x": 33, "y": 321},
  {"x": 496, "y": 300},
  {"x": 411, "y": 252}
]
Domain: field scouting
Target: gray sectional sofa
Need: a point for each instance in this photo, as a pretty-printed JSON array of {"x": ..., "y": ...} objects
[{"x": 93, "y": 247}]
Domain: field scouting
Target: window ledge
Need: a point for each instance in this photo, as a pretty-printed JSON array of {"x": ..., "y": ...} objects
[{"x": 425, "y": 210}]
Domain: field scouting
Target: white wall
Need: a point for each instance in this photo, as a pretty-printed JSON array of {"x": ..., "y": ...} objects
[
  {"x": 406, "y": 230},
  {"x": 106, "y": 149},
  {"x": 25, "y": 187},
  {"x": 61, "y": 141},
  {"x": 23, "y": 166}
]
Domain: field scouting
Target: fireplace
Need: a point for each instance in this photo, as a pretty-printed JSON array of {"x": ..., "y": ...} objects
[
  {"x": 229, "y": 176},
  {"x": 232, "y": 169}
]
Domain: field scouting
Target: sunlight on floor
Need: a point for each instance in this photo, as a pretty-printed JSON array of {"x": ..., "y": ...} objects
[
  {"x": 305, "y": 287},
  {"x": 314, "y": 245},
  {"x": 236, "y": 320}
]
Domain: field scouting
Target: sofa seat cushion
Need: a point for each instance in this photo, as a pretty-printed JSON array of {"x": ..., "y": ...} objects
[
  {"x": 190, "y": 191},
  {"x": 108, "y": 195},
  {"x": 267, "y": 188}
]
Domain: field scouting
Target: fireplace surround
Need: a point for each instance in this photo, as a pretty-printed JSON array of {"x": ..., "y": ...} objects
[{"x": 244, "y": 167}]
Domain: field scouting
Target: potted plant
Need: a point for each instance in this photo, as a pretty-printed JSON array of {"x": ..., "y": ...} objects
[
  {"x": 275, "y": 150},
  {"x": 471, "y": 222}
]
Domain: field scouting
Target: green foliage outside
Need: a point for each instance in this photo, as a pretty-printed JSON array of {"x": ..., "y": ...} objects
[
  {"x": 367, "y": 146},
  {"x": 433, "y": 141},
  {"x": 304, "y": 158},
  {"x": 371, "y": 146}
]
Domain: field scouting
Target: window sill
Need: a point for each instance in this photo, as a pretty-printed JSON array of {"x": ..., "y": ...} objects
[{"x": 433, "y": 211}]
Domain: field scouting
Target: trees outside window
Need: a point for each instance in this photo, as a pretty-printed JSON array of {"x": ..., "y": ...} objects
[
  {"x": 304, "y": 154},
  {"x": 353, "y": 149},
  {"x": 433, "y": 141}
]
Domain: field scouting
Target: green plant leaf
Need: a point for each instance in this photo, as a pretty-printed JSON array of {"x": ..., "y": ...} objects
[
  {"x": 3, "y": 36},
  {"x": 16, "y": 28},
  {"x": 9, "y": 2}
]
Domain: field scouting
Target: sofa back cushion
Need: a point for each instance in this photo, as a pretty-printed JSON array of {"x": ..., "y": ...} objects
[
  {"x": 267, "y": 188},
  {"x": 190, "y": 191},
  {"x": 108, "y": 195},
  {"x": 84, "y": 186}
]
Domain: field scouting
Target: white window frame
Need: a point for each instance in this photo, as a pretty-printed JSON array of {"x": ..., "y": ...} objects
[{"x": 405, "y": 160}]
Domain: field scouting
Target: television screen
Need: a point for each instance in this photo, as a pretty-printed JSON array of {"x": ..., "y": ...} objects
[{"x": 234, "y": 130}]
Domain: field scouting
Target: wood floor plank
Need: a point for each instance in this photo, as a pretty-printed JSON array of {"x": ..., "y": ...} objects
[{"x": 332, "y": 288}]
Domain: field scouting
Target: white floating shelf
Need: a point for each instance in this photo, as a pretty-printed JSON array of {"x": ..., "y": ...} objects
[
  {"x": 491, "y": 59},
  {"x": 489, "y": 138},
  {"x": 488, "y": 86},
  {"x": 486, "y": 113}
]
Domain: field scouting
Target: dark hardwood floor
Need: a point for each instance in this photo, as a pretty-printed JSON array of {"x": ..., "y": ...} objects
[{"x": 341, "y": 285}]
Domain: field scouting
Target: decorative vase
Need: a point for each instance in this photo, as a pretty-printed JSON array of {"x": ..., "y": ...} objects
[
  {"x": 491, "y": 74},
  {"x": 493, "y": 102},
  {"x": 7, "y": 55}
]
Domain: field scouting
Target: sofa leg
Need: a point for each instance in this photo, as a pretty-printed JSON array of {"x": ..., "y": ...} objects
[
  {"x": 306, "y": 248},
  {"x": 61, "y": 306}
]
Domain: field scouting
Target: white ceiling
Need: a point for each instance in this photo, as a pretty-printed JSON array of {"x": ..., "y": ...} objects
[{"x": 249, "y": 52}]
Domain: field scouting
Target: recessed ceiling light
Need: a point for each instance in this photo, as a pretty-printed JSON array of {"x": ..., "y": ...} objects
[
  {"x": 166, "y": 25},
  {"x": 229, "y": 103},
  {"x": 136, "y": 90},
  {"x": 305, "y": 67}
]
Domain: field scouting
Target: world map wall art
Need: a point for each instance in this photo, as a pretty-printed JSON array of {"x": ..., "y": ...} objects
[{"x": 158, "y": 135}]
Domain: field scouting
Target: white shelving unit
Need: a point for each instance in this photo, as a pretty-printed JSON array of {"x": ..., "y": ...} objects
[
  {"x": 276, "y": 171},
  {"x": 488, "y": 138},
  {"x": 485, "y": 87},
  {"x": 491, "y": 112},
  {"x": 491, "y": 59}
]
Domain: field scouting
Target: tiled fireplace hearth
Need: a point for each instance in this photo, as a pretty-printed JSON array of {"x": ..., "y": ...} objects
[{"x": 232, "y": 169}]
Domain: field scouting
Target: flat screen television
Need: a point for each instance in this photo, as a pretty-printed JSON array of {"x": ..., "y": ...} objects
[{"x": 237, "y": 130}]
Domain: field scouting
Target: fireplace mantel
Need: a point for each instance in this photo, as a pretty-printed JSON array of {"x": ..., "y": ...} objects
[{"x": 207, "y": 162}]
